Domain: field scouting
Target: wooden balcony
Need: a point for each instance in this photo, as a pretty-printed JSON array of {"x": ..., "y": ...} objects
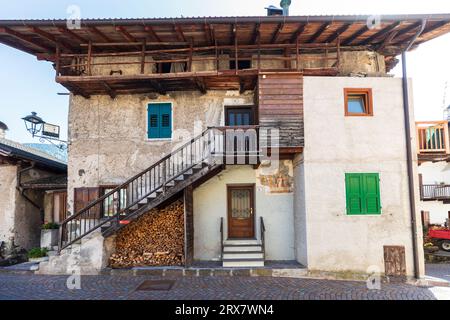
[
  {"x": 432, "y": 141},
  {"x": 435, "y": 192}
]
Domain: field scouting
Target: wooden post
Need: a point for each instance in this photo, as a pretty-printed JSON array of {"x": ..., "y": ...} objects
[
  {"x": 58, "y": 60},
  {"x": 259, "y": 52},
  {"x": 297, "y": 51},
  {"x": 420, "y": 186},
  {"x": 191, "y": 53},
  {"x": 236, "y": 58},
  {"x": 446, "y": 138},
  {"x": 144, "y": 46},
  {"x": 89, "y": 59},
  {"x": 338, "y": 50},
  {"x": 217, "y": 56}
]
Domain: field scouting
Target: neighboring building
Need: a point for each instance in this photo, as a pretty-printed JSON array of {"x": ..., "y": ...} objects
[
  {"x": 30, "y": 180},
  {"x": 153, "y": 99},
  {"x": 434, "y": 171}
]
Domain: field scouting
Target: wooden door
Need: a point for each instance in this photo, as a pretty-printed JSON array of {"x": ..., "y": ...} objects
[{"x": 241, "y": 204}]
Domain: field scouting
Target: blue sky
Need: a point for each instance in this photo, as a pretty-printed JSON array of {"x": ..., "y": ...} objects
[{"x": 28, "y": 85}]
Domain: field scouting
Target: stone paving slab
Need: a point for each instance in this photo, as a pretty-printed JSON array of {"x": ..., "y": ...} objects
[{"x": 106, "y": 287}]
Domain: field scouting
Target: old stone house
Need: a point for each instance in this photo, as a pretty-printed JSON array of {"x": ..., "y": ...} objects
[
  {"x": 32, "y": 184},
  {"x": 237, "y": 139}
]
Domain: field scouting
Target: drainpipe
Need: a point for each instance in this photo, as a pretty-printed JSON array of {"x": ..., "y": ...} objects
[
  {"x": 412, "y": 200},
  {"x": 22, "y": 190}
]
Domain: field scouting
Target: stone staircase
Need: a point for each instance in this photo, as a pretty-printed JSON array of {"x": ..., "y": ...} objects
[{"x": 242, "y": 253}]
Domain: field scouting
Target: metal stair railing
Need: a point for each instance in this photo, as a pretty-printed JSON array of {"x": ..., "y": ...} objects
[{"x": 152, "y": 180}]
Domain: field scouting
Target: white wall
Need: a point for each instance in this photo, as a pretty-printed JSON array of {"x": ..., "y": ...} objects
[
  {"x": 335, "y": 145},
  {"x": 210, "y": 203},
  {"x": 435, "y": 173}
]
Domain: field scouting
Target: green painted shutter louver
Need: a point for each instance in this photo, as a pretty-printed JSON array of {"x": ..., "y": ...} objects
[
  {"x": 159, "y": 120},
  {"x": 362, "y": 193}
]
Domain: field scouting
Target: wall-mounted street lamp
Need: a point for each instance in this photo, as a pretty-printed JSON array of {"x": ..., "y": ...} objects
[{"x": 43, "y": 130}]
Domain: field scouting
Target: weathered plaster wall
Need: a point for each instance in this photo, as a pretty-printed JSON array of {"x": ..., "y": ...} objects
[
  {"x": 435, "y": 173},
  {"x": 108, "y": 138},
  {"x": 365, "y": 62},
  {"x": 210, "y": 204},
  {"x": 8, "y": 182},
  {"x": 334, "y": 145},
  {"x": 19, "y": 218}
]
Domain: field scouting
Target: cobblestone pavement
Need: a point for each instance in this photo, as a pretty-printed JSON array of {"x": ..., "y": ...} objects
[
  {"x": 438, "y": 270},
  {"x": 24, "y": 287}
]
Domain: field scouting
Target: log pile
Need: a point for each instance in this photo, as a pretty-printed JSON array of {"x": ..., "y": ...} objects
[{"x": 155, "y": 239}]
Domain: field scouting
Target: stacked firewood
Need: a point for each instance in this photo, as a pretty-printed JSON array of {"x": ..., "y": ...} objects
[{"x": 155, "y": 239}]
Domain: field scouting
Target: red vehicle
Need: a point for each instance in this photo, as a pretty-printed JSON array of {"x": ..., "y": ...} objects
[{"x": 441, "y": 237}]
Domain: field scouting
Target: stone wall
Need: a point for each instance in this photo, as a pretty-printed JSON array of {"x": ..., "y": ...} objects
[{"x": 108, "y": 138}]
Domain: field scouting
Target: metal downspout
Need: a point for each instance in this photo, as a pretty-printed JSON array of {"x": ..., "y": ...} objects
[{"x": 412, "y": 200}]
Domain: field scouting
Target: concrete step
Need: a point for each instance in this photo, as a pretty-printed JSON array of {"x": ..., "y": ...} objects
[
  {"x": 243, "y": 242},
  {"x": 239, "y": 263},
  {"x": 242, "y": 248},
  {"x": 243, "y": 255}
]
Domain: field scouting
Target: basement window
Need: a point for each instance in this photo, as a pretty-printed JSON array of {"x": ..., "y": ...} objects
[{"x": 358, "y": 102}]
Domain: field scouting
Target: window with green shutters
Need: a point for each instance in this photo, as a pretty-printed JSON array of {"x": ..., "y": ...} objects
[
  {"x": 363, "y": 193},
  {"x": 159, "y": 120}
]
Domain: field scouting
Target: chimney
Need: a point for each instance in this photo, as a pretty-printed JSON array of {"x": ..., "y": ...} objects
[
  {"x": 285, "y": 5},
  {"x": 3, "y": 128}
]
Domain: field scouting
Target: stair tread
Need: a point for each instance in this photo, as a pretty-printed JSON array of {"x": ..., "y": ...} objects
[
  {"x": 242, "y": 252},
  {"x": 243, "y": 259}
]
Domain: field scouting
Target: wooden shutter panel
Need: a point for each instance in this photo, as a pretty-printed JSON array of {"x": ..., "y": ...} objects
[
  {"x": 354, "y": 192},
  {"x": 371, "y": 193},
  {"x": 165, "y": 113},
  {"x": 153, "y": 121},
  {"x": 84, "y": 196}
]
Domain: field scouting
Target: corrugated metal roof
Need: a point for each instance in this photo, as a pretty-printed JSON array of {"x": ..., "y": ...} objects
[{"x": 5, "y": 143}]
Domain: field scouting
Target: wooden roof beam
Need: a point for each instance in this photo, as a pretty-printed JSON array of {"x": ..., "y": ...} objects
[
  {"x": 157, "y": 86},
  {"x": 100, "y": 34},
  {"x": 277, "y": 32},
  {"x": 76, "y": 90},
  {"x": 379, "y": 34},
  {"x": 406, "y": 30},
  {"x": 123, "y": 31},
  {"x": 72, "y": 35},
  {"x": 256, "y": 33},
  {"x": 179, "y": 32},
  {"x": 387, "y": 40},
  {"x": 51, "y": 38},
  {"x": 355, "y": 35},
  {"x": 25, "y": 38},
  {"x": 338, "y": 32},
  {"x": 200, "y": 83},
  {"x": 152, "y": 32},
  {"x": 319, "y": 32},
  {"x": 298, "y": 33},
  {"x": 111, "y": 92}
]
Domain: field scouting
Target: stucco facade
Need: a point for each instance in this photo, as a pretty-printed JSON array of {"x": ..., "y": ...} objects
[
  {"x": 434, "y": 174},
  {"x": 335, "y": 145}
]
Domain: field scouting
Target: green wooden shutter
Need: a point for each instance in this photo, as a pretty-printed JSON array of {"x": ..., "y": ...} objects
[
  {"x": 165, "y": 112},
  {"x": 354, "y": 193},
  {"x": 153, "y": 121},
  {"x": 372, "y": 193},
  {"x": 363, "y": 193},
  {"x": 159, "y": 120}
]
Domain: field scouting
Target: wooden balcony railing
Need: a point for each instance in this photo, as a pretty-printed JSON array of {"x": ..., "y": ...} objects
[
  {"x": 435, "y": 192},
  {"x": 432, "y": 137}
]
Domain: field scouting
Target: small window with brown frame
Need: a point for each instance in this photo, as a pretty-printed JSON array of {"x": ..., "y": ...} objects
[{"x": 358, "y": 102}]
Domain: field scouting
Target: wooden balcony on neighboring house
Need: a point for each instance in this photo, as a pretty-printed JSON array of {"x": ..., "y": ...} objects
[
  {"x": 435, "y": 192},
  {"x": 432, "y": 141}
]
